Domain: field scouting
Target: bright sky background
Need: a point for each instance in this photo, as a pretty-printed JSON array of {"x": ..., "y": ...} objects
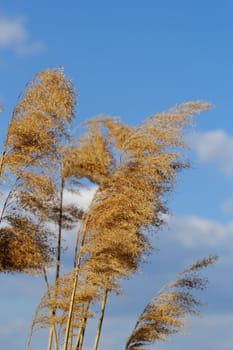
[{"x": 132, "y": 58}]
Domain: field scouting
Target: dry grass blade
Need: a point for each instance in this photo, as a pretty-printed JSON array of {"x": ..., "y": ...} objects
[
  {"x": 141, "y": 166},
  {"x": 23, "y": 249},
  {"x": 165, "y": 314},
  {"x": 30, "y": 160},
  {"x": 40, "y": 120},
  {"x": 90, "y": 157},
  {"x": 57, "y": 297}
]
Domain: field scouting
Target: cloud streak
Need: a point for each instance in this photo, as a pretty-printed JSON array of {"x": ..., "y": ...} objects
[
  {"x": 214, "y": 147},
  {"x": 194, "y": 231},
  {"x": 15, "y": 36}
]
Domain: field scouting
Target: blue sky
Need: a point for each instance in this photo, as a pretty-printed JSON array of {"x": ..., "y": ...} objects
[{"x": 132, "y": 58}]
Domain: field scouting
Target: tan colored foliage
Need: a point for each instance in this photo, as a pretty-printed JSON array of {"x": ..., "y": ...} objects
[
  {"x": 142, "y": 167},
  {"x": 166, "y": 312},
  {"x": 23, "y": 245},
  {"x": 133, "y": 168},
  {"x": 39, "y": 121},
  {"x": 58, "y": 297},
  {"x": 89, "y": 157},
  {"x": 29, "y": 161}
]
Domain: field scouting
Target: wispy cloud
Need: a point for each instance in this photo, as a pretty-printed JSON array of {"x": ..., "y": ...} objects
[
  {"x": 15, "y": 36},
  {"x": 194, "y": 231},
  {"x": 214, "y": 147}
]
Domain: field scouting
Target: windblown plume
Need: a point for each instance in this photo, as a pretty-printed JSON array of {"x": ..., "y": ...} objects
[
  {"x": 134, "y": 168},
  {"x": 165, "y": 314},
  {"x": 143, "y": 167},
  {"x": 29, "y": 165}
]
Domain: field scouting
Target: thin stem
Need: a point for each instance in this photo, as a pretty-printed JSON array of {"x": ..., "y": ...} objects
[
  {"x": 58, "y": 264},
  {"x": 5, "y": 146},
  {"x": 5, "y": 204},
  {"x": 71, "y": 341},
  {"x": 8, "y": 198},
  {"x": 31, "y": 330},
  {"x": 50, "y": 340},
  {"x": 81, "y": 233},
  {"x": 76, "y": 250},
  {"x": 52, "y": 333},
  {"x": 52, "y": 330},
  {"x": 71, "y": 306},
  {"x": 2, "y": 161},
  {"x": 100, "y": 323},
  {"x": 80, "y": 336}
]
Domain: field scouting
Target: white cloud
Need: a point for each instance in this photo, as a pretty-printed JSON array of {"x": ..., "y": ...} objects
[
  {"x": 12, "y": 32},
  {"x": 82, "y": 199},
  {"x": 14, "y": 35},
  {"x": 193, "y": 231},
  {"x": 214, "y": 147}
]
